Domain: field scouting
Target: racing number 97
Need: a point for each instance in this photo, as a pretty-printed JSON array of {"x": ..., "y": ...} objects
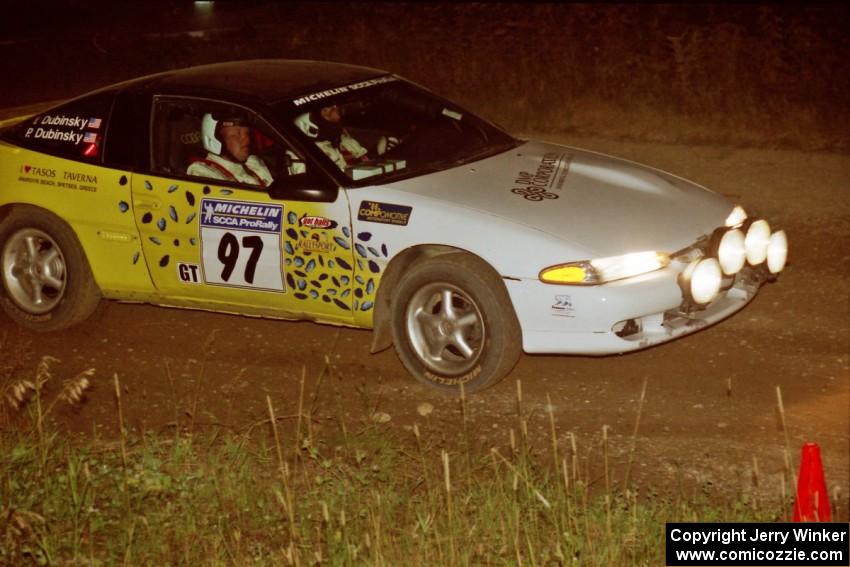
[{"x": 228, "y": 254}]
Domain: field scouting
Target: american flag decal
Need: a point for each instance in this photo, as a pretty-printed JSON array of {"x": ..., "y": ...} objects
[{"x": 94, "y": 123}]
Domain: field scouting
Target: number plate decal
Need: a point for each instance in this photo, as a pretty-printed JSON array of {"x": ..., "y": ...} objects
[{"x": 240, "y": 244}]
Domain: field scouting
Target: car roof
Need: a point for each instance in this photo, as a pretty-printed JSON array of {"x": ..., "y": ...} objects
[{"x": 269, "y": 80}]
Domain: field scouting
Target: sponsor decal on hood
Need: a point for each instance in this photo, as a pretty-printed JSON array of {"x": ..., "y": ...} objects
[
  {"x": 550, "y": 175},
  {"x": 607, "y": 206}
]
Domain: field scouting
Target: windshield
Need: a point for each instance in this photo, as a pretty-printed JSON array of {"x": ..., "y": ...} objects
[{"x": 386, "y": 128}]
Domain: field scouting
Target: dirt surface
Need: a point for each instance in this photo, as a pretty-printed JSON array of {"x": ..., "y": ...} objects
[{"x": 710, "y": 409}]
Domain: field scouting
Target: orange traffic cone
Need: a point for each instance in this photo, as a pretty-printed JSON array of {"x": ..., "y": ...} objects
[{"x": 812, "y": 504}]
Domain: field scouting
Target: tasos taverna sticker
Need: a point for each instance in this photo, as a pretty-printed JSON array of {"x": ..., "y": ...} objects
[
  {"x": 240, "y": 244},
  {"x": 385, "y": 213}
]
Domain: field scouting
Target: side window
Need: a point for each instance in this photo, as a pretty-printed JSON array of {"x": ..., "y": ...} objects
[
  {"x": 128, "y": 136},
  {"x": 214, "y": 140},
  {"x": 73, "y": 130}
]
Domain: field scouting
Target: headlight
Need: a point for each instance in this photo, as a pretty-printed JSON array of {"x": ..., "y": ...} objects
[
  {"x": 758, "y": 235},
  {"x": 736, "y": 217},
  {"x": 701, "y": 280},
  {"x": 777, "y": 251},
  {"x": 602, "y": 270}
]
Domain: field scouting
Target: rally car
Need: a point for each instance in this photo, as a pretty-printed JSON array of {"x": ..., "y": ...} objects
[{"x": 351, "y": 196}]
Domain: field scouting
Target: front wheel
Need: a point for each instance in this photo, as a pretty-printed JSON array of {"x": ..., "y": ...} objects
[
  {"x": 45, "y": 283},
  {"x": 453, "y": 323}
]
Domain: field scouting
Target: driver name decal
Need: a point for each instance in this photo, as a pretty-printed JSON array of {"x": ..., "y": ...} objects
[
  {"x": 63, "y": 128},
  {"x": 550, "y": 174},
  {"x": 240, "y": 244},
  {"x": 384, "y": 213}
]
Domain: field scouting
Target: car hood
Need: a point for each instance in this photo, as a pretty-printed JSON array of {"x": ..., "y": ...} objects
[{"x": 605, "y": 205}]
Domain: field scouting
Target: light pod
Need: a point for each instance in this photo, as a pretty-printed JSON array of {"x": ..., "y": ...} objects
[
  {"x": 758, "y": 236},
  {"x": 702, "y": 280},
  {"x": 777, "y": 251},
  {"x": 732, "y": 252},
  {"x": 736, "y": 217}
]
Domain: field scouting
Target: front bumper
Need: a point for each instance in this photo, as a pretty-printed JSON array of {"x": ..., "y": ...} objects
[{"x": 621, "y": 316}]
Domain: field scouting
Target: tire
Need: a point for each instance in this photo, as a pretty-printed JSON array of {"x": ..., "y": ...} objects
[
  {"x": 45, "y": 280},
  {"x": 453, "y": 323}
]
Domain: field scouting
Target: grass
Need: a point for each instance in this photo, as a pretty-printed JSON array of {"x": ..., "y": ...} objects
[{"x": 326, "y": 492}]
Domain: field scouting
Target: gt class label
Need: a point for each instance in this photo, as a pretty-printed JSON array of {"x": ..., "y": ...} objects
[{"x": 240, "y": 244}]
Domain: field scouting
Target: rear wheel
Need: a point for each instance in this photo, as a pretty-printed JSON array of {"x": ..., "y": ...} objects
[
  {"x": 453, "y": 323},
  {"x": 46, "y": 283}
]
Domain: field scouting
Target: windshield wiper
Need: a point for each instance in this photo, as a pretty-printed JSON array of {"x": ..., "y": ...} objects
[{"x": 487, "y": 151}]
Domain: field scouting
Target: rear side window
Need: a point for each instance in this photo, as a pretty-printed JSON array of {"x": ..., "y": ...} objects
[{"x": 73, "y": 130}]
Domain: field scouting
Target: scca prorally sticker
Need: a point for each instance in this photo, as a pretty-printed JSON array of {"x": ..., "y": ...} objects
[
  {"x": 550, "y": 175},
  {"x": 384, "y": 213},
  {"x": 563, "y": 306},
  {"x": 240, "y": 244},
  {"x": 308, "y": 221},
  {"x": 188, "y": 273}
]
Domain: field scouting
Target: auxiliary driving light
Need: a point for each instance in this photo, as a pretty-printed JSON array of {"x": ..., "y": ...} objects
[
  {"x": 777, "y": 252},
  {"x": 702, "y": 279},
  {"x": 731, "y": 252},
  {"x": 758, "y": 236},
  {"x": 736, "y": 217}
]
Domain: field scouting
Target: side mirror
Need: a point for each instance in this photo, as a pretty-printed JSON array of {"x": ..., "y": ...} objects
[{"x": 308, "y": 186}]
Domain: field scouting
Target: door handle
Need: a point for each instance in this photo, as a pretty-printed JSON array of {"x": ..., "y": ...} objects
[{"x": 146, "y": 203}]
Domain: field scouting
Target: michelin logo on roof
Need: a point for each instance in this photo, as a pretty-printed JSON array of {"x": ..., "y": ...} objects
[{"x": 344, "y": 89}]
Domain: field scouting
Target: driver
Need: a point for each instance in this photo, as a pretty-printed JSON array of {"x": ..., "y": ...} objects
[
  {"x": 325, "y": 128},
  {"x": 229, "y": 153}
]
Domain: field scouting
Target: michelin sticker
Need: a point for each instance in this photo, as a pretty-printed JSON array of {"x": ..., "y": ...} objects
[
  {"x": 240, "y": 244},
  {"x": 344, "y": 89}
]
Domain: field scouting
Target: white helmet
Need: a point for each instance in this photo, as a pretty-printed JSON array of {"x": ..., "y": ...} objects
[
  {"x": 211, "y": 143},
  {"x": 307, "y": 126},
  {"x": 209, "y": 126}
]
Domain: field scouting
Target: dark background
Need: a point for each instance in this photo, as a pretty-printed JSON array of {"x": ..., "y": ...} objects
[{"x": 739, "y": 73}]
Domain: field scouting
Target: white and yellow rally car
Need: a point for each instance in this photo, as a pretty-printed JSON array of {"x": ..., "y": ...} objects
[{"x": 350, "y": 196}]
